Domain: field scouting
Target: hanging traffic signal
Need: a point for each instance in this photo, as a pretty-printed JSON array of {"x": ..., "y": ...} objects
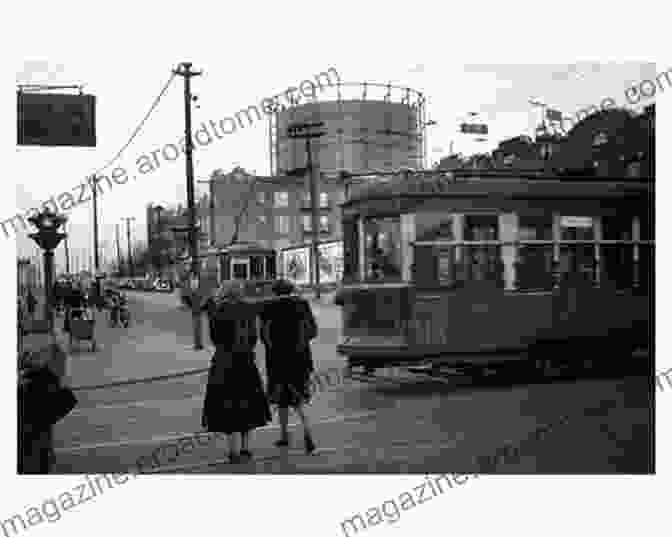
[{"x": 52, "y": 119}]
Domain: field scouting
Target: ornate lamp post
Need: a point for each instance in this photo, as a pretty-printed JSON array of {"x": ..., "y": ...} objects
[{"x": 47, "y": 238}]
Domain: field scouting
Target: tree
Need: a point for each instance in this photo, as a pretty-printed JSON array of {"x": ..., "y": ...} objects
[{"x": 604, "y": 144}]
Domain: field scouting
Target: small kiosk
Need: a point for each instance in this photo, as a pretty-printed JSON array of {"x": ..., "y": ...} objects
[{"x": 246, "y": 261}]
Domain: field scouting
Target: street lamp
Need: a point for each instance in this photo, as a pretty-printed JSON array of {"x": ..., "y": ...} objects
[{"x": 48, "y": 238}]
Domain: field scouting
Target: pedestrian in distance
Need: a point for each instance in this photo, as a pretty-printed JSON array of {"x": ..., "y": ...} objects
[
  {"x": 288, "y": 327},
  {"x": 114, "y": 305},
  {"x": 31, "y": 303},
  {"x": 235, "y": 402}
]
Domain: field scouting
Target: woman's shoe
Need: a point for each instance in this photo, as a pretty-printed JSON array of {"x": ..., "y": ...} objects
[
  {"x": 310, "y": 445},
  {"x": 235, "y": 458},
  {"x": 283, "y": 442},
  {"x": 245, "y": 454}
]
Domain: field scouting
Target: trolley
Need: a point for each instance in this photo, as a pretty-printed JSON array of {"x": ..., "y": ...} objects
[{"x": 477, "y": 268}]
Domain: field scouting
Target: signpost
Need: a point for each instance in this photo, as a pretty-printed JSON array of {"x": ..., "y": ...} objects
[{"x": 307, "y": 132}]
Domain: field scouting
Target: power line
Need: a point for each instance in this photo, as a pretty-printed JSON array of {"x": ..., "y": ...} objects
[{"x": 139, "y": 127}]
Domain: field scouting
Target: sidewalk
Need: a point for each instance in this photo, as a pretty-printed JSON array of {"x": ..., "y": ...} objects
[{"x": 137, "y": 354}]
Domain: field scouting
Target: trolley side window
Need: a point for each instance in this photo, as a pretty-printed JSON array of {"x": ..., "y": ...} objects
[
  {"x": 481, "y": 262},
  {"x": 534, "y": 261}
]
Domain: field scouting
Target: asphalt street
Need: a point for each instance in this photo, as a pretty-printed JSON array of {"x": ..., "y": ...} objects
[{"x": 393, "y": 422}]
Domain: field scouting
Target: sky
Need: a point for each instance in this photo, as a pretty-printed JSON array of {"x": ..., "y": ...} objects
[{"x": 246, "y": 56}]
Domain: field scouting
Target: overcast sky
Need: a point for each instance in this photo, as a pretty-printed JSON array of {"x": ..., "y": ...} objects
[{"x": 248, "y": 53}]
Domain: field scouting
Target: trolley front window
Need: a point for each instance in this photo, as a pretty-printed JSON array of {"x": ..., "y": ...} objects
[{"x": 382, "y": 248}]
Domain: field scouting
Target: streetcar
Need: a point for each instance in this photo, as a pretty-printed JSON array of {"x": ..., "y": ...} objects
[
  {"x": 469, "y": 267},
  {"x": 248, "y": 262}
]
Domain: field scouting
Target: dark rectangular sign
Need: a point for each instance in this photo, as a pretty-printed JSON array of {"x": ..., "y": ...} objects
[
  {"x": 52, "y": 119},
  {"x": 474, "y": 128}
]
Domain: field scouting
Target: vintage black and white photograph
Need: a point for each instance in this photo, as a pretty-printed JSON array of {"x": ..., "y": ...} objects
[{"x": 238, "y": 254}]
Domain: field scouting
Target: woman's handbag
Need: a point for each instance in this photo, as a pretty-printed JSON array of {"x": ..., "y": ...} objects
[
  {"x": 43, "y": 401},
  {"x": 62, "y": 401}
]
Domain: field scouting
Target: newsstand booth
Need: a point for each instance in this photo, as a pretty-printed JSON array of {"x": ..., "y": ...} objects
[
  {"x": 444, "y": 264},
  {"x": 247, "y": 261}
]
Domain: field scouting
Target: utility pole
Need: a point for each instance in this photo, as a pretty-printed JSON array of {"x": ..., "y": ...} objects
[
  {"x": 185, "y": 71},
  {"x": 96, "y": 248},
  {"x": 67, "y": 251},
  {"x": 157, "y": 240},
  {"x": 96, "y": 256},
  {"x": 116, "y": 228},
  {"x": 308, "y": 131},
  {"x": 213, "y": 228},
  {"x": 128, "y": 220}
]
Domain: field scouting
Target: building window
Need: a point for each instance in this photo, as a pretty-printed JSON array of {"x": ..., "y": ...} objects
[
  {"x": 282, "y": 224},
  {"x": 261, "y": 198},
  {"x": 324, "y": 223},
  {"x": 305, "y": 199},
  {"x": 600, "y": 139},
  {"x": 257, "y": 267},
  {"x": 307, "y": 223},
  {"x": 324, "y": 199},
  {"x": 382, "y": 254},
  {"x": 281, "y": 199}
]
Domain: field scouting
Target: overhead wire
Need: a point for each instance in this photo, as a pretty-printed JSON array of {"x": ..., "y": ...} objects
[{"x": 156, "y": 101}]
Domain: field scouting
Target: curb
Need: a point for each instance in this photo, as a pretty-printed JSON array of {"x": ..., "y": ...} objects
[{"x": 145, "y": 380}]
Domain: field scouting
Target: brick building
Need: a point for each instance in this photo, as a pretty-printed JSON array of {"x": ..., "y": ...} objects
[{"x": 272, "y": 211}]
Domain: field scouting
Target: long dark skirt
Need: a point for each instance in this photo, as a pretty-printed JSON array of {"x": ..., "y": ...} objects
[
  {"x": 289, "y": 377},
  {"x": 234, "y": 397}
]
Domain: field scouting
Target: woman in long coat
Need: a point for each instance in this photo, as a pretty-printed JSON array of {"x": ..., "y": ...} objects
[
  {"x": 235, "y": 402},
  {"x": 288, "y": 326}
]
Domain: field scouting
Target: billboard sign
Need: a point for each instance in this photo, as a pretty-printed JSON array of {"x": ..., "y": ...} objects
[
  {"x": 331, "y": 262},
  {"x": 296, "y": 265},
  {"x": 52, "y": 119}
]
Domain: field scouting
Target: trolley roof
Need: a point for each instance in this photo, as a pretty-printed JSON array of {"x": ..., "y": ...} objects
[{"x": 494, "y": 184}]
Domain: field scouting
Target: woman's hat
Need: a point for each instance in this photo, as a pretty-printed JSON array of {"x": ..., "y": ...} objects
[{"x": 283, "y": 287}]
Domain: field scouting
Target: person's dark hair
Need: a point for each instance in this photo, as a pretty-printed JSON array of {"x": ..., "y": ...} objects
[{"x": 283, "y": 287}]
